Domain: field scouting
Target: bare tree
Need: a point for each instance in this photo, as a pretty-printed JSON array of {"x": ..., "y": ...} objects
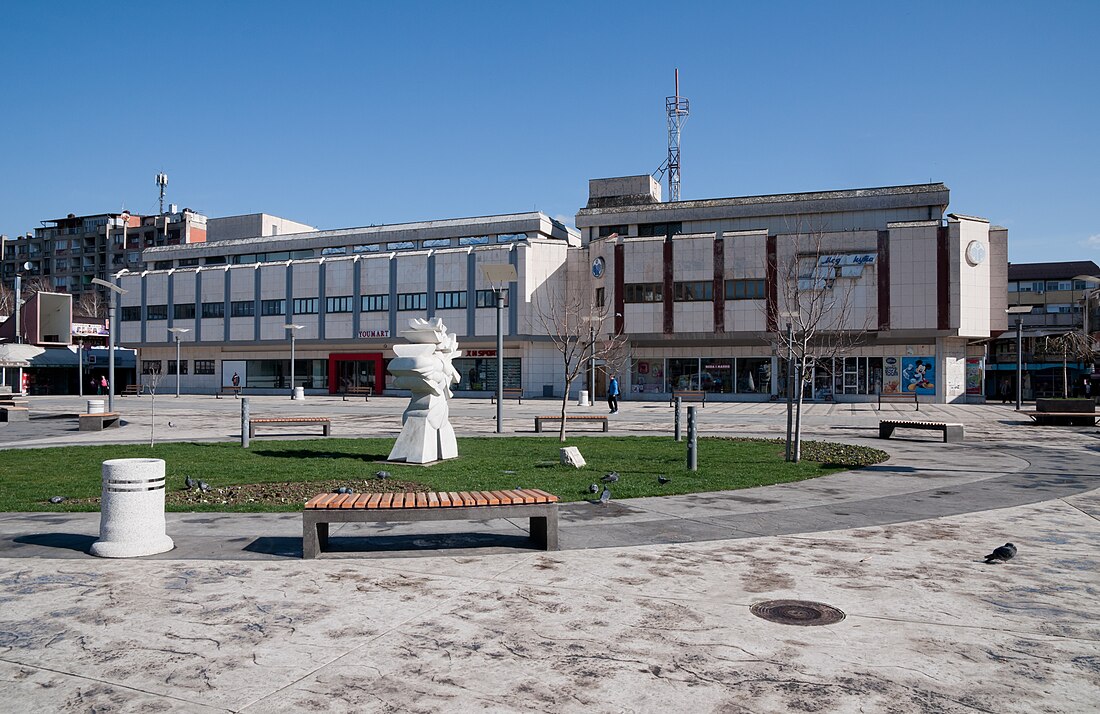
[
  {"x": 1075, "y": 346},
  {"x": 815, "y": 315},
  {"x": 37, "y": 284},
  {"x": 91, "y": 304},
  {"x": 152, "y": 381},
  {"x": 578, "y": 328},
  {"x": 7, "y": 300},
  {"x": 617, "y": 361}
]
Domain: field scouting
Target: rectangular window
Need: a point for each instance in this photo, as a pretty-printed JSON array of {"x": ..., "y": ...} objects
[
  {"x": 401, "y": 245},
  {"x": 367, "y": 248},
  {"x": 204, "y": 366},
  {"x": 1013, "y": 286},
  {"x": 172, "y": 366},
  {"x": 242, "y": 308},
  {"x": 643, "y": 292},
  {"x": 607, "y": 231},
  {"x": 511, "y": 237},
  {"x": 473, "y": 240},
  {"x": 150, "y": 366},
  {"x": 338, "y": 304},
  {"x": 601, "y": 297},
  {"x": 693, "y": 290},
  {"x": 215, "y": 260},
  {"x": 305, "y": 306},
  {"x": 271, "y": 308},
  {"x": 451, "y": 300},
  {"x": 436, "y": 243},
  {"x": 649, "y": 230},
  {"x": 186, "y": 311},
  {"x": 744, "y": 289},
  {"x": 487, "y": 298},
  {"x": 162, "y": 265},
  {"x": 412, "y": 301},
  {"x": 334, "y": 251},
  {"x": 131, "y": 314},
  {"x": 375, "y": 303},
  {"x": 188, "y": 262},
  {"x": 156, "y": 312},
  {"x": 213, "y": 309}
]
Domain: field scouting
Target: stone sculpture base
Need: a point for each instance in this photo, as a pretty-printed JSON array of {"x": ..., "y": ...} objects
[{"x": 427, "y": 435}]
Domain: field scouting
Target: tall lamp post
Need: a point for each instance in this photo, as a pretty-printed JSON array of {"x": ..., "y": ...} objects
[
  {"x": 112, "y": 332},
  {"x": 177, "y": 331},
  {"x": 293, "y": 329},
  {"x": 790, "y": 377},
  {"x": 497, "y": 275},
  {"x": 1019, "y": 311}
]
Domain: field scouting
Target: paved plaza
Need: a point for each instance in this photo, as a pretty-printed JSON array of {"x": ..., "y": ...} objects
[{"x": 646, "y": 608}]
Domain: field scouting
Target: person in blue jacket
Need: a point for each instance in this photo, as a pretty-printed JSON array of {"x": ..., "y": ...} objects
[{"x": 613, "y": 394}]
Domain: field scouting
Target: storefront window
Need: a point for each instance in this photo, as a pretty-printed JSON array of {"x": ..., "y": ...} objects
[
  {"x": 685, "y": 374},
  {"x": 717, "y": 375},
  {"x": 754, "y": 375},
  {"x": 647, "y": 376},
  {"x": 480, "y": 374},
  {"x": 275, "y": 373}
]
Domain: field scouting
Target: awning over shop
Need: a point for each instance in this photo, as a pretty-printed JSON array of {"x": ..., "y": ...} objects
[
  {"x": 13, "y": 355},
  {"x": 30, "y": 356}
]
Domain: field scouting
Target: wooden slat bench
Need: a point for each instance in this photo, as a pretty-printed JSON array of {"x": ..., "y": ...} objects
[
  {"x": 951, "y": 432},
  {"x": 236, "y": 391},
  {"x": 541, "y": 507},
  {"x": 1063, "y": 418},
  {"x": 688, "y": 395},
  {"x": 509, "y": 393},
  {"x": 903, "y": 398},
  {"x": 99, "y": 422},
  {"x": 569, "y": 420},
  {"x": 367, "y": 392},
  {"x": 14, "y": 413},
  {"x": 325, "y": 423},
  {"x": 132, "y": 390}
]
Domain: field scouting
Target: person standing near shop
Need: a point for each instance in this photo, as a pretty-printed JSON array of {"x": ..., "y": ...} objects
[{"x": 613, "y": 394}]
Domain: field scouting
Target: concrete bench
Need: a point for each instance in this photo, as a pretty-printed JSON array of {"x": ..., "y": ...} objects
[
  {"x": 951, "y": 432},
  {"x": 902, "y": 398},
  {"x": 541, "y": 507},
  {"x": 132, "y": 390},
  {"x": 569, "y": 420},
  {"x": 324, "y": 422},
  {"x": 688, "y": 395},
  {"x": 14, "y": 413},
  {"x": 1063, "y": 418},
  {"x": 509, "y": 393},
  {"x": 236, "y": 391},
  {"x": 99, "y": 422},
  {"x": 367, "y": 392}
]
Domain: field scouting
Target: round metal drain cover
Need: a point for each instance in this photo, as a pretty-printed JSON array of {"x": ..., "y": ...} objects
[{"x": 797, "y": 612}]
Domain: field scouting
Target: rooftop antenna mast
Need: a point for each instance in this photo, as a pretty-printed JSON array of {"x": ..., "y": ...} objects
[
  {"x": 676, "y": 108},
  {"x": 162, "y": 182}
]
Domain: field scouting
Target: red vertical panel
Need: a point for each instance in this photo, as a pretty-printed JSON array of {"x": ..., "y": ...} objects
[
  {"x": 719, "y": 284},
  {"x": 668, "y": 320},
  {"x": 883, "y": 264},
  {"x": 943, "y": 280},
  {"x": 619, "y": 300},
  {"x": 771, "y": 285}
]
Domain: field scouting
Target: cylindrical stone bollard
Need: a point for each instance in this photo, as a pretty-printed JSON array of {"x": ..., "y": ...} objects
[
  {"x": 246, "y": 415},
  {"x": 692, "y": 457},
  {"x": 677, "y": 422},
  {"x": 583, "y": 401},
  {"x": 299, "y": 393},
  {"x": 131, "y": 520},
  {"x": 97, "y": 406}
]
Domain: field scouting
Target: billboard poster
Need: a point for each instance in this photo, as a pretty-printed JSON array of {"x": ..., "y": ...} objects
[
  {"x": 974, "y": 375},
  {"x": 891, "y": 376},
  {"x": 918, "y": 374}
]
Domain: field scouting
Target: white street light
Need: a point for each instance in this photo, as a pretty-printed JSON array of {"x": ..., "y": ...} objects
[
  {"x": 112, "y": 329},
  {"x": 177, "y": 331},
  {"x": 293, "y": 332}
]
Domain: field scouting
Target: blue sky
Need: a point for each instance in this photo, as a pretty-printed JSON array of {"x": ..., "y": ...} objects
[{"x": 345, "y": 114}]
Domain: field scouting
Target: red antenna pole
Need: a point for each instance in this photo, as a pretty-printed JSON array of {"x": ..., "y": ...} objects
[{"x": 677, "y": 70}]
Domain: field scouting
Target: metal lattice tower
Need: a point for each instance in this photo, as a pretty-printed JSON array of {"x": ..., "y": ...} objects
[
  {"x": 676, "y": 108},
  {"x": 162, "y": 181}
]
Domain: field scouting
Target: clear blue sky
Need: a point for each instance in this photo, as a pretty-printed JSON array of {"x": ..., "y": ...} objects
[{"x": 345, "y": 114}]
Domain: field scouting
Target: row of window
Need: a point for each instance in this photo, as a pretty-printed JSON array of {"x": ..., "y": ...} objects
[
  {"x": 693, "y": 290},
  {"x": 454, "y": 299},
  {"x": 153, "y": 366},
  {"x": 1040, "y": 286}
]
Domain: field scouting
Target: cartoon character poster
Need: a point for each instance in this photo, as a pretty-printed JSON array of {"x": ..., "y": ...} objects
[
  {"x": 891, "y": 379},
  {"x": 918, "y": 375}
]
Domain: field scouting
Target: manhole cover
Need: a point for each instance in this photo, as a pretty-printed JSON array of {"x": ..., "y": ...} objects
[{"x": 797, "y": 612}]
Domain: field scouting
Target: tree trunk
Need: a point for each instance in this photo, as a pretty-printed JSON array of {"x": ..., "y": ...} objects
[
  {"x": 564, "y": 402},
  {"x": 1065, "y": 374},
  {"x": 796, "y": 447}
]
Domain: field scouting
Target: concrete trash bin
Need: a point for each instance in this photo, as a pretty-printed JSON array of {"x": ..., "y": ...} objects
[
  {"x": 583, "y": 401},
  {"x": 299, "y": 393},
  {"x": 131, "y": 520},
  {"x": 97, "y": 406}
]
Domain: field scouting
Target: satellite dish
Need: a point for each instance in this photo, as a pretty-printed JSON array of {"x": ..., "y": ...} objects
[{"x": 27, "y": 265}]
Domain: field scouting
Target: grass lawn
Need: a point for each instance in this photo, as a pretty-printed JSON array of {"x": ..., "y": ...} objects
[{"x": 31, "y": 476}]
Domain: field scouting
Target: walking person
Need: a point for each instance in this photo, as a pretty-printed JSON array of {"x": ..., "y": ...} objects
[
  {"x": 1004, "y": 391},
  {"x": 103, "y": 386},
  {"x": 613, "y": 394}
]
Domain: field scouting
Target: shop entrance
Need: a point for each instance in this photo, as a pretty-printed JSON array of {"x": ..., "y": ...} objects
[{"x": 355, "y": 370}]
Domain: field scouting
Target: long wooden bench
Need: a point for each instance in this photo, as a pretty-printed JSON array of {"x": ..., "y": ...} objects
[
  {"x": 569, "y": 420},
  {"x": 325, "y": 423},
  {"x": 14, "y": 413},
  {"x": 910, "y": 398},
  {"x": 688, "y": 395},
  {"x": 367, "y": 392},
  {"x": 132, "y": 390},
  {"x": 951, "y": 432},
  {"x": 99, "y": 422},
  {"x": 541, "y": 507},
  {"x": 1063, "y": 418},
  {"x": 237, "y": 391},
  {"x": 509, "y": 393}
]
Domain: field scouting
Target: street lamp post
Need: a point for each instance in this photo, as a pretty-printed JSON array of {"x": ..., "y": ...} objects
[
  {"x": 1019, "y": 311},
  {"x": 177, "y": 331},
  {"x": 790, "y": 378},
  {"x": 293, "y": 333},
  {"x": 112, "y": 332},
  {"x": 497, "y": 275}
]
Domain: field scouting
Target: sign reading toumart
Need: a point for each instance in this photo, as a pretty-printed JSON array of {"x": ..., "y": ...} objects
[{"x": 364, "y": 334}]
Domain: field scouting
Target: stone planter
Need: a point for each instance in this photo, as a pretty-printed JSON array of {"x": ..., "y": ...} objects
[{"x": 1077, "y": 406}]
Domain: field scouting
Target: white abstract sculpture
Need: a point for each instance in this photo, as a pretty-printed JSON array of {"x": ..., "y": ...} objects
[{"x": 424, "y": 367}]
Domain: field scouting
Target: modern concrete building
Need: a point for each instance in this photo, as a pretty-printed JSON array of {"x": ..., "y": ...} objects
[
  {"x": 252, "y": 225},
  {"x": 699, "y": 289}
]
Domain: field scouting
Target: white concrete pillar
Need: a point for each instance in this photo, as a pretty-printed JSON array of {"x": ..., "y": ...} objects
[{"x": 131, "y": 521}]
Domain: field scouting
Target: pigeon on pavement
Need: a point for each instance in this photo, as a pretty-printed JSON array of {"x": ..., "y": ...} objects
[
  {"x": 593, "y": 488},
  {"x": 611, "y": 477},
  {"x": 605, "y": 496},
  {"x": 56, "y": 499},
  {"x": 190, "y": 482},
  {"x": 663, "y": 480},
  {"x": 170, "y": 424},
  {"x": 1003, "y": 553}
]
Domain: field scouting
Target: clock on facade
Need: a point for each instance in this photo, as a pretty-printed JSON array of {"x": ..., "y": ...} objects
[
  {"x": 597, "y": 268},
  {"x": 975, "y": 252}
]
